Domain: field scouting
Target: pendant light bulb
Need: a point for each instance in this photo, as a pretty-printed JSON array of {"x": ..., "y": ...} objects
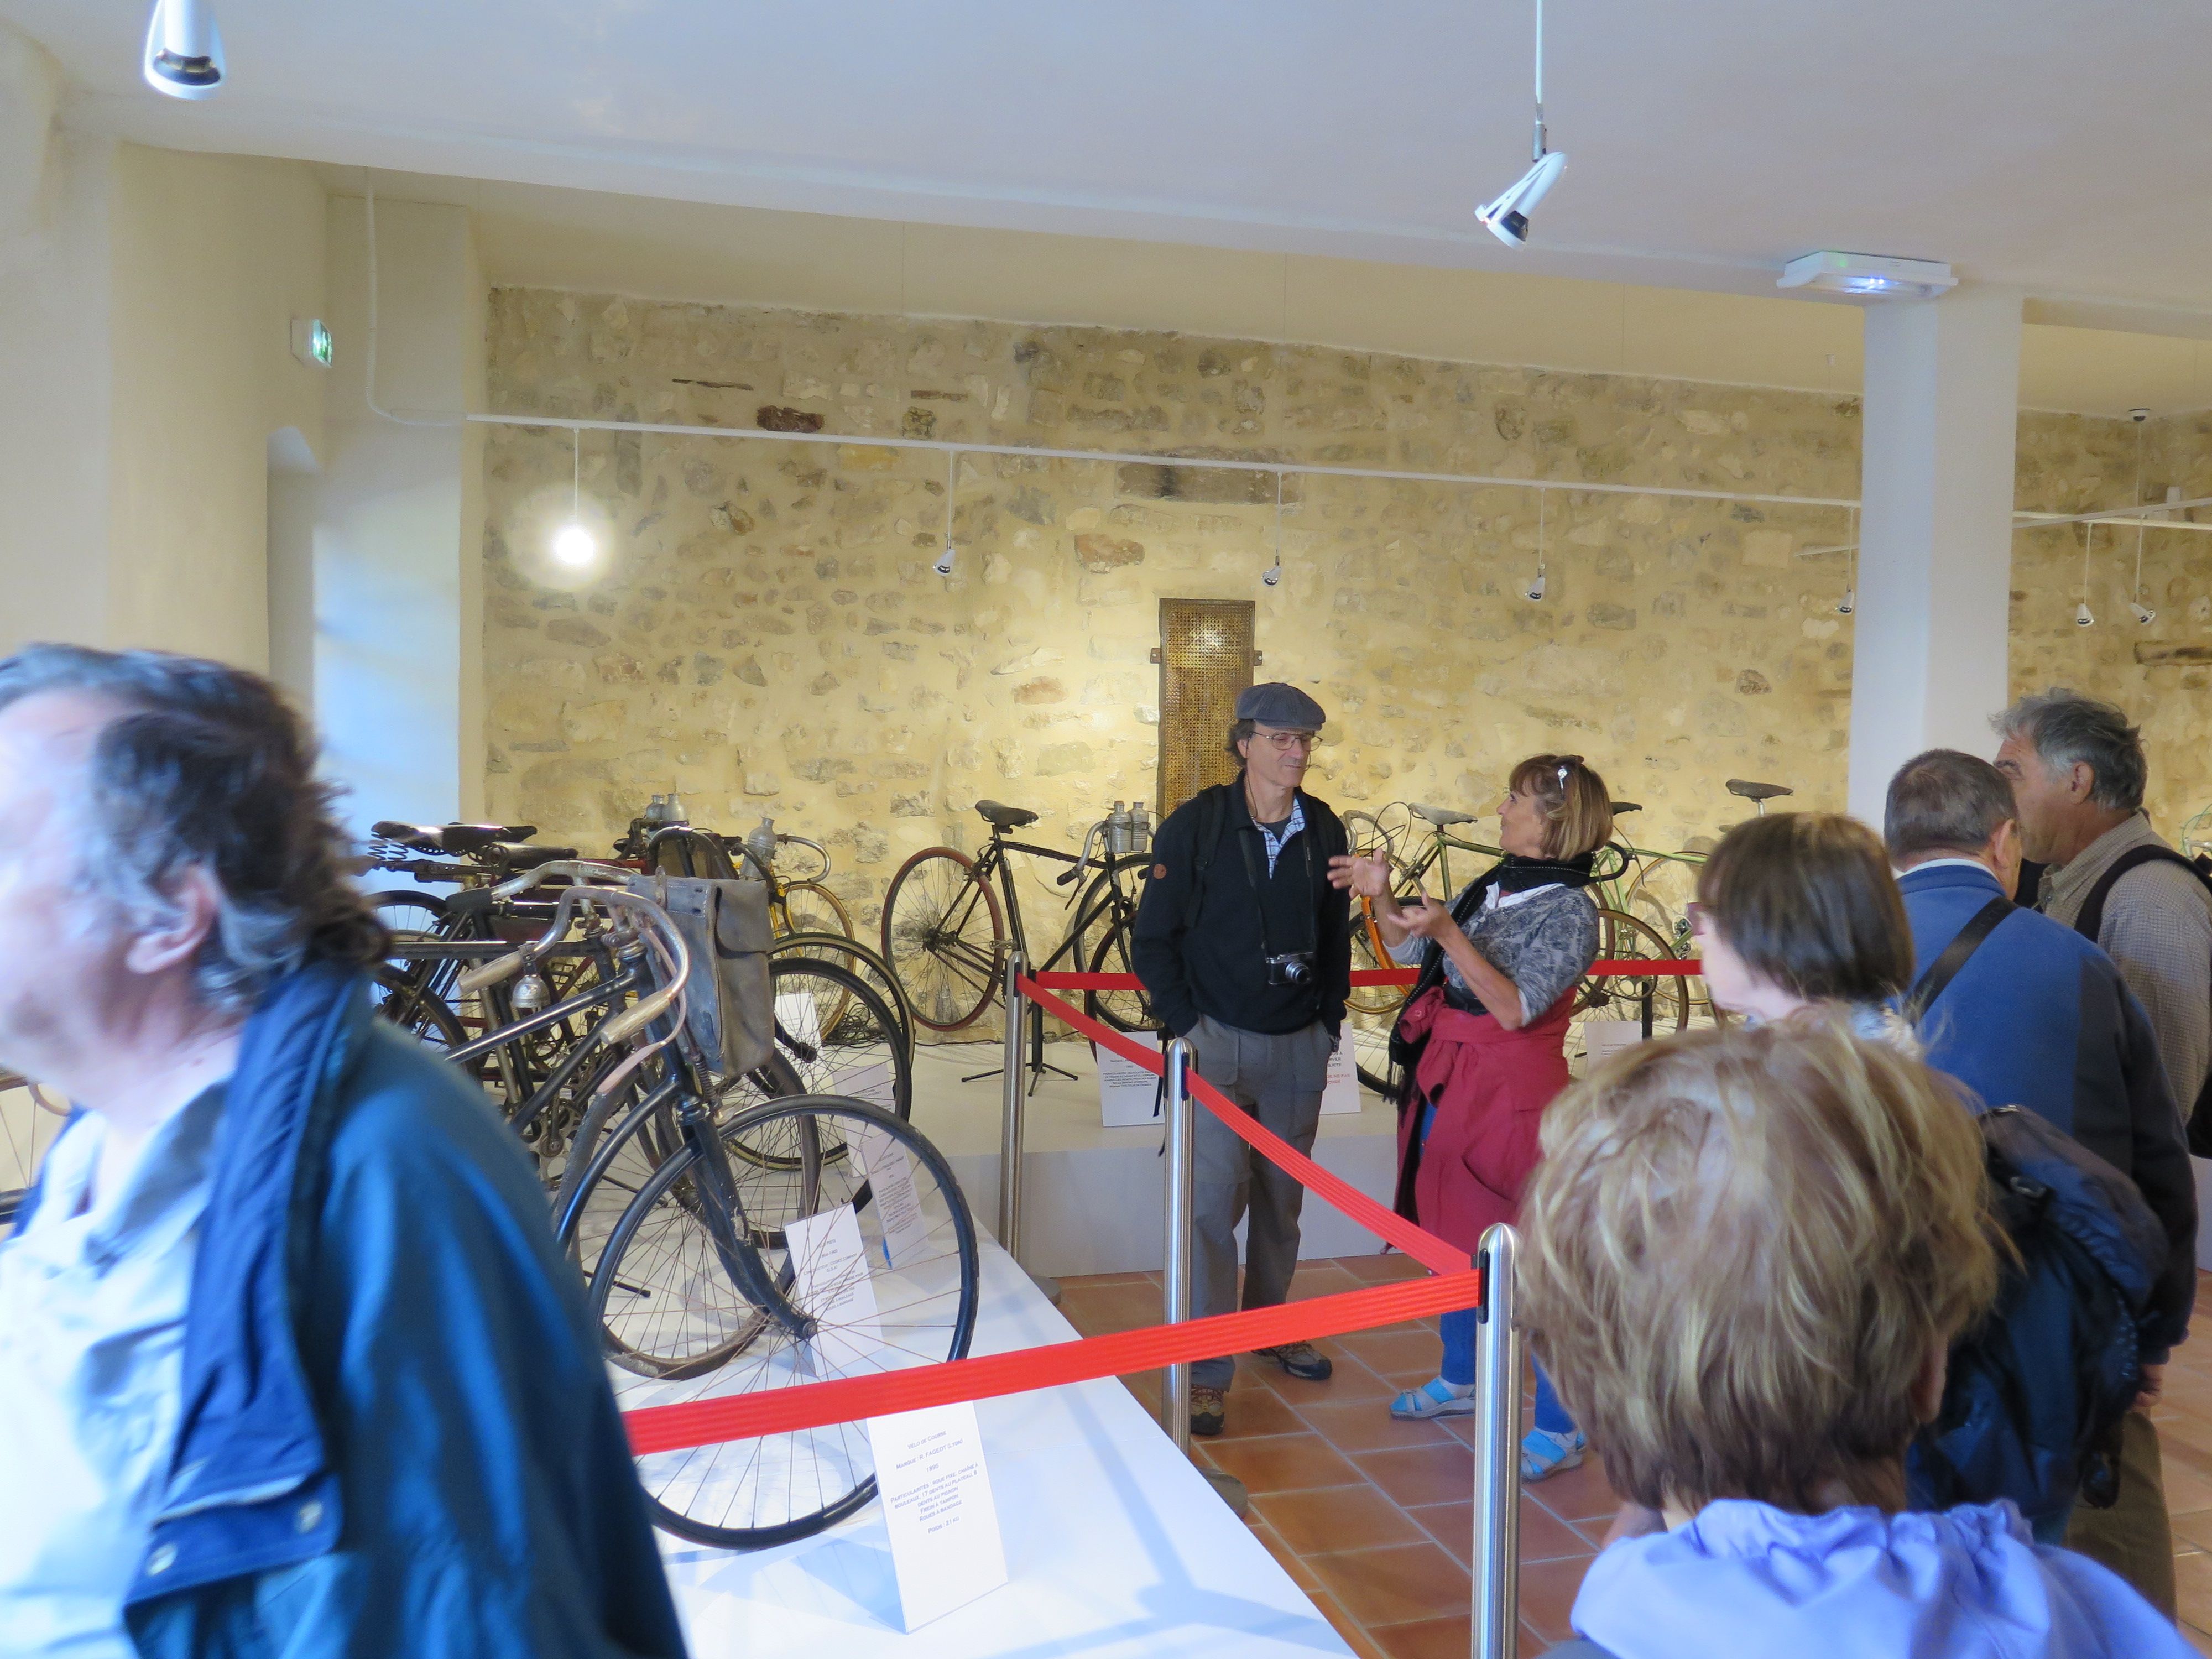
[
  {"x": 2083, "y": 617},
  {"x": 2142, "y": 612}
]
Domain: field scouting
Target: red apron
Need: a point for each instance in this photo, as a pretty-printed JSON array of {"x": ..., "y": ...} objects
[{"x": 1490, "y": 1087}]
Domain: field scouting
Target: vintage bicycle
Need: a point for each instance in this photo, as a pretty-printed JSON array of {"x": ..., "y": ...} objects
[{"x": 950, "y": 921}]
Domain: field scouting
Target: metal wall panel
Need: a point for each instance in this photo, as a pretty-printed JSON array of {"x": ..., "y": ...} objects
[{"x": 1205, "y": 660}]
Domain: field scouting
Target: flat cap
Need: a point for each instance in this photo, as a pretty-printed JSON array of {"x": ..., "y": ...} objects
[{"x": 1283, "y": 706}]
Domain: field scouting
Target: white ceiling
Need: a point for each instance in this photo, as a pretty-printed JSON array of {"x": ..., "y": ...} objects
[{"x": 2056, "y": 146}]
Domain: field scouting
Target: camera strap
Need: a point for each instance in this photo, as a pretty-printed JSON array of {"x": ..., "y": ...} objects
[{"x": 1260, "y": 896}]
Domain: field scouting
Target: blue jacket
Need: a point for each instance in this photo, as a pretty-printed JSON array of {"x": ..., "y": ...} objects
[
  {"x": 397, "y": 1434},
  {"x": 2040, "y": 1019}
]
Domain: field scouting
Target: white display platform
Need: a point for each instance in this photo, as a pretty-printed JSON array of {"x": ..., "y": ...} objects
[
  {"x": 1093, "y": 1199},
  {"x": 1115, "y": 1547}
]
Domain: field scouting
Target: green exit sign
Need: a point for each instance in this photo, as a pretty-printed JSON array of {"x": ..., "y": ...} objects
[{"x": 311, "y": 342}]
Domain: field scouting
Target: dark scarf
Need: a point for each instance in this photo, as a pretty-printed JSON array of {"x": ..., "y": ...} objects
[{"x": 1510, "y": 874}]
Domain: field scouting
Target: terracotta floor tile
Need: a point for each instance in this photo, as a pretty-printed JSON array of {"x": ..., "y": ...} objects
[
  {"x": 1548, "y": 1594},
  {"x": 1256, "y": 1412},
  {"x": 1352, "y": 1381},
  {"x": 1085, "y": 1281},
  {"x": 1425, "y": 1639},
  {"x": 1403, "y": 1356},
  {"x": 1333, "y": 1518},
  {"x": 2188, "y": 1488},
  {"x": 1578, "y": 1494},
  {"x": 1283, "y": 1463},
  {"x": 1325, "y": 1277},
  {"x": 2193, "y": 1529},
  {"x": 1544, "y": 1536},
  {"x": 2192, "y": 1589},
  {"x": 1380, "y": 1269},
  {"x": 1395, "y": 1584},
  {"x": 1422, "y": 1474},
  {"x": 1346, "y": 1626},
  {"x": 1357, "y": 1425}
]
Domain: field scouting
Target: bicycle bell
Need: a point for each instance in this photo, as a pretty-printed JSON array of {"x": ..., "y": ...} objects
[{"x": 531, "y": 994}]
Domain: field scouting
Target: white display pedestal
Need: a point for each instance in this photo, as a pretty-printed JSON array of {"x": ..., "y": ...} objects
[{"x": 1116, "y": 1548}]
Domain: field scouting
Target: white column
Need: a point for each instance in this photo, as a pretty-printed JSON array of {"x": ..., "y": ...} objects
[
  {"x": 1935, "y": 571},
  {"x": 398, "y": 532}
]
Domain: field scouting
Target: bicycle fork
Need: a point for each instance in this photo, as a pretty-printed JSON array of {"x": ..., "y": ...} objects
[{"x": 724, "y": 1212}]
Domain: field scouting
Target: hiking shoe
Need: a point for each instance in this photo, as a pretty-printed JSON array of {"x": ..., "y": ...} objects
[
  {"x": 1434, "y": 1398},
  {"x": 1544, "y": 1453},
  {"x": 1300, "y": 1359},
  {"x": 1209, "y": 1410}
]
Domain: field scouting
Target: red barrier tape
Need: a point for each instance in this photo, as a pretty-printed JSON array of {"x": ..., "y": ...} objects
[
  {"x": 1604, "y": 968},
  {"x": 785, "y": 1410},
  {"x": 816, "y": 1405},
  {"x": 1424, "y": 1248}
]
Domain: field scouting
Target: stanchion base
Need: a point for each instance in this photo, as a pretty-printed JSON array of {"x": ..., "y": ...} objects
[
  {"x": 1048, "y": 1286},
  {"x": 1230, "y": 1489}
]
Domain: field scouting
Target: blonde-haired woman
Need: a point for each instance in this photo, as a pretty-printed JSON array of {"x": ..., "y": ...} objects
[{"x": 1482, "y": 1041}]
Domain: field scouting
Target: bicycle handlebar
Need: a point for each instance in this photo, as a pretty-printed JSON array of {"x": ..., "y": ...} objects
[{"x": 592, "y": 888}]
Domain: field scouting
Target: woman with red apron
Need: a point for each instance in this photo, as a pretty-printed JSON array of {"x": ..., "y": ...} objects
[{"x": 1481, "y": 1042}]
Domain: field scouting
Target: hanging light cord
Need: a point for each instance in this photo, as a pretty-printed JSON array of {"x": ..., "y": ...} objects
[
  {"x": 951, "y": 462},
  {"x": 1539, "y": 531},
  {"x": 1539, "y": 146},
  {"x": 2088, "y": 534},
  {"x": 2139, "y": 502},
  {"x": 576, "y": 477}
]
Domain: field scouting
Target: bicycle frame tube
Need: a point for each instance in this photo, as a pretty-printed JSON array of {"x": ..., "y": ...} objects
[
  {"x": 724, "y": 1212},
  {"x": 621, "y": 984}
]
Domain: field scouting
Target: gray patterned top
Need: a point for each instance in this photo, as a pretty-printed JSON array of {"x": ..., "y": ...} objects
[{"x": 1544, "y": 940}]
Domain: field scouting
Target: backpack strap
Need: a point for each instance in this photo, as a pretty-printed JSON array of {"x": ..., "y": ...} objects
[
  {"x": 1941, "y": 971},
  {"x": 1213, "y": 804},
  {"x": 2091, "y": 921}
]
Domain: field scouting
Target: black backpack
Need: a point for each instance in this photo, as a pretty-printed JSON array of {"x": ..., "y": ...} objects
[
  {"x": 2091, "y": 922},
  {"x": 2037, "y": 1392}
]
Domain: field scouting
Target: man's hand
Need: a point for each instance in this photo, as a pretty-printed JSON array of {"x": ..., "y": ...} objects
[
  {"x": 2154, "y": 1385},
  {"x": 1367, "y": 875}
]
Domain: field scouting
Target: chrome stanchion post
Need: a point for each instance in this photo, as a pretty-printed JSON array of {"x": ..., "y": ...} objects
[
  {"x": 1182, "y": 1165},
  {"x": 1497, "y": 1455},
  {"x": 1010, "y": 1130}
]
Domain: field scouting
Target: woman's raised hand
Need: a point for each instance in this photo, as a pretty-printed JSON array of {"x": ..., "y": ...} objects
[
  {"x": 1421, "y": 914},
  {"x": 1366, "y": 874}
]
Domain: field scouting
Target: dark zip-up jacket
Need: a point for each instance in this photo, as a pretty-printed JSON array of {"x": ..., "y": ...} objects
[
  {"x": 1205, "y": 957},
  {"x": 395, "y": 1434},
  {"x": 2040, "y": 1017}
]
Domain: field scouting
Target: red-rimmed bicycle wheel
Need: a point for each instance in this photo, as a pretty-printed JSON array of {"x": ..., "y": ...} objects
[{"x": 945, "y": 938}]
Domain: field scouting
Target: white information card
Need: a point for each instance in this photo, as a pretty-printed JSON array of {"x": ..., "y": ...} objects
[
  {"x": 829, "y": 1280},
  {"x": 1129, "y": 1094},
  {"x": 1341, "y": 1092},
  {"x": 1607, "y": 1037},
  {"x": 943, "y": 1525},
  {"x": 897, "y": 1206}
]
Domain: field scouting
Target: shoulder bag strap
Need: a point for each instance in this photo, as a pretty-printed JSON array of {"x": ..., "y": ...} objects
[
  {"x": 2091, "y": 921},
  {"x": 1941, "y": 971}
]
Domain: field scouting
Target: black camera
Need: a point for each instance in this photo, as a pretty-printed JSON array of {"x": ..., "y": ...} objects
[{"x": 1291, "y": 967}]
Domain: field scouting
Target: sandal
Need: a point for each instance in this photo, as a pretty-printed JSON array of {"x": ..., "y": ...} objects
[
  {"x": 1434, "y": 1398},
  {"x": 1544, "y": 1453}
]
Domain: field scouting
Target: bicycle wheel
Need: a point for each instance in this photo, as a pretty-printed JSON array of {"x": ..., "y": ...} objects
[
  {"x": 1368, "y": 952},
  {"x": 1108, "y": 897},
  {"x": 808, "y": 907},
  {"x": 863, "y": 962},
  {"x": 840, "y": 1036},
  {"x": 1125, "y": 1011},
  {"x": 873, "y": 1283},
  {"x": 415, "y": 1009},
  {"x": 408, "y": 912},
  {"x": 1370, "y": 1052},
  {"x": 628, "y": 1154},
  {"x": 944, "y": 938},
  {"x": 1626, "y": 997}
]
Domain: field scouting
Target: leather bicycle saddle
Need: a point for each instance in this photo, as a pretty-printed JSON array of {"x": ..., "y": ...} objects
[
  {"x": 1751, "y": 790},
  {"x": 1442, "y": 817},
  {"x": 451, "y": 837},
  {"x": 529, "y": 858},
  {"x": 1005, "y": 817},
  {"x": 1620, "y": 807}
]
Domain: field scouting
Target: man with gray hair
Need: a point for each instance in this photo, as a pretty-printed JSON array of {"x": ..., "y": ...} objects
[
  {"x": 2077, "y": 771},
  {"x": 289, "y": 1360}
]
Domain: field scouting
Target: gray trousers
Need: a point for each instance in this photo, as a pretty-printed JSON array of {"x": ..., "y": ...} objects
[{"x": 1279, "y": 1079}]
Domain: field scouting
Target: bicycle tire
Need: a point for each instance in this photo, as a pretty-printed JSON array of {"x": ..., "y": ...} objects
[
  {"x": 415, "y": 1009},
  {"x": 408, "y": 912},
  {"x": 683, "y": 1487},
  {"x": 849, "y": 1021},
  {"x": 1624, "y": 938},
  {"x": 807, "y": 920},
  {"x": 1125, "y": 1011},
  {"x": 933, "y": 940},
  {"x": 1130, "y": 865},
  {"x": 864, "y": 961}
]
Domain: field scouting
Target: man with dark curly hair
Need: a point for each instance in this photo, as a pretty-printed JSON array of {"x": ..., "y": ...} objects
[{"x": 289, "y": 1361}]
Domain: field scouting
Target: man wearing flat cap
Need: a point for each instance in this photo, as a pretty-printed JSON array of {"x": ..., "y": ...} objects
[{"x": 1245, "y": 949}]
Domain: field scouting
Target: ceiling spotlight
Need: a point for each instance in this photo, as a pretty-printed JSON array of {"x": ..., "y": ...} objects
[
  {"x": 574, "y": 545},
  {"x": 944, "y": 565},
  {"x": 1869, "y": 275},
  {"x": 2142, "y": 612},
  {"x": 2083, "y": 617},
  {"x": 1506, "y": 216},
  {"x": 183, "y": 50},
  {"x": 1849, "y": 603}
]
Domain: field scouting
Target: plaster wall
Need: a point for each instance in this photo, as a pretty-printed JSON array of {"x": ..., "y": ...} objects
[{"x": 766, "y": 635}]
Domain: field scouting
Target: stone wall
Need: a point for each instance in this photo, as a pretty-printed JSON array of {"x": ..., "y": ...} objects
[{"x": 767, "y": 636}]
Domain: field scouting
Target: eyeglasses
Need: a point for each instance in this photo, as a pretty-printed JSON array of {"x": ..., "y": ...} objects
[{"x": 1284, "y": 742}]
